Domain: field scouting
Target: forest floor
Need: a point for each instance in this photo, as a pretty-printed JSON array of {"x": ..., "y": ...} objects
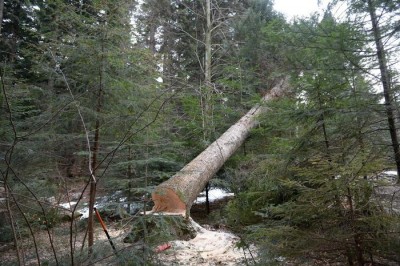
[
  {"x": 213, "y": 244},
  {"x": 209, "y": 247}
]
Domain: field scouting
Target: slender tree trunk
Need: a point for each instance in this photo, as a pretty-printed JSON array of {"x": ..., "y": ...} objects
[
  {"x": 322, "y": 124},
  {"x": 177, "y": 194},
  {"x": 152, "y": 39},
  {"x": 386, "y": 84},
  {"x": 130, "y": 169},
  {"x": 207, "y": 98},
  {"x": 358, "y": 247},
  {"x": 207, "y": 199},
  {"x": 1, "y": 13},
  {"x": 7, "y": 159},
  {"x": 207, "y": 68},
  {"x": 359, "y": 135},
  {"x": 93, "y": 181},
  {"x": 96, "y": 144},
  {"x": 92, "y": 192}
]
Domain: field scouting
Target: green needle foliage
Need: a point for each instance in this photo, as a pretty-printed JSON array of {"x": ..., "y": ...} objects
[
  {"x": 125, "y": 80},
  {"x": 311, "y": 198}
]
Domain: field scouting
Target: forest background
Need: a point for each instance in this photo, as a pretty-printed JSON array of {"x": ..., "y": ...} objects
[{"x": 108, "y": 96}]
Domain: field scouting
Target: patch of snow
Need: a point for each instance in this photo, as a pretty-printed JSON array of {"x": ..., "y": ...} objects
[
  {"x": 85, "y": 213},
  {"x": 390, "y": 173},
  {"x": 101, "y": 202},
  {"x": 67, "y": 205},
  {"x": 85, "y": 210},
  {"x": 389, "y": 176},
  {"x": 213, "y": 195}
]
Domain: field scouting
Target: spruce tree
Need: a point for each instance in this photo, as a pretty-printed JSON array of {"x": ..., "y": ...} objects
[{"x": 309, "y": 200}]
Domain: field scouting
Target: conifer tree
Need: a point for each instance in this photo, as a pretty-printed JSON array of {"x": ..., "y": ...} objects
[
  {"x": 382, "y": 36},
  {"x": 309, "y": 199},
  {"x": 75, "y": 82}
]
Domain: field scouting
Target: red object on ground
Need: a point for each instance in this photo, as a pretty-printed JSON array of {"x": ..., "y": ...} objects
[{"x": 162, "y": 247}]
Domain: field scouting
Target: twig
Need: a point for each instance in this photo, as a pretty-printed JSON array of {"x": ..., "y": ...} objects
[
  {"x": 11, "y": 218},
  {"x": 80, "y": 116},
  {"x": 29, "y": 226},
  {"x": 130, "y": 134},
  {"x": 42, "y": 210},
  {"x": 92, "y": 177},
  {"x": 7, "y": 159}
]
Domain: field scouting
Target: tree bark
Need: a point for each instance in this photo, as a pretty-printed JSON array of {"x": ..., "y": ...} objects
[
  {"x": 93, "y": 181},
  {"x": 207, "y": 93},
  {"x": 386, "y": 84},
  {"x": 96, "y": 144},
  {"x": 177, "y": 194},
  {"x": 1, "y": 13}
]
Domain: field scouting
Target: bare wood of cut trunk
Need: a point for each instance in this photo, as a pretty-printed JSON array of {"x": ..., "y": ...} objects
[{"x": 177, "y": 194}]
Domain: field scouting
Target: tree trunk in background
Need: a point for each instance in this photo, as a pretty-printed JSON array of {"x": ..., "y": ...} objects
[
  {"x": 207, "y": 93},
  {"x": 96, "y": 144},
  {"x": 177, "y": 194},
  {"x": 386, "y": 84},
  {"x": 1, "y": 13},
  {"x": 93, "y": 181}
]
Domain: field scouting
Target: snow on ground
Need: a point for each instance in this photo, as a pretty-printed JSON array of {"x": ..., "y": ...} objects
[
  {"x": 390, "y": 172},
  {"x": 207, "y": 248},
  {"x": 213, "y": 195},
  {"x": 387, "y": 191},
  {"x": 68, "y": 205}
]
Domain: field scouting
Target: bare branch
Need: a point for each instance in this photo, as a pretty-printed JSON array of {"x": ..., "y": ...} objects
[{"x": 59, "y": 70}]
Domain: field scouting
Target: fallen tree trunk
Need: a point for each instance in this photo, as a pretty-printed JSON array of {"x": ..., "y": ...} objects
[{"x": 177, "y": 194}]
